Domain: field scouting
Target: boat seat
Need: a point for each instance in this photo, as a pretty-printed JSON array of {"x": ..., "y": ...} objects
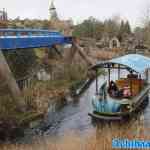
[{"x": 137, "y": 84}]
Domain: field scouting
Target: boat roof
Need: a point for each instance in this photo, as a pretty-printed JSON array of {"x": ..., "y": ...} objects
[{"x": 136, "y": 62}]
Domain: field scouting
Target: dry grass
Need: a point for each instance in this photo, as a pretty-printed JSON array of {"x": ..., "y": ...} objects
[
  {"x": 67, "y": 143},
  {"x": 100, "y": 139},
  {"x": 103, "y": 55}
]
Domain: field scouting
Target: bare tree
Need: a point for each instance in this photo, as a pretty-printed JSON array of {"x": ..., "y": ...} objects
[{"x": 145, "y": 14}]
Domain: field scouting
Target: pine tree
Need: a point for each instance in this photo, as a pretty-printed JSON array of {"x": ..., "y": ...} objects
[
  {"x": 121, "y": 30},
  {"x": 127, "y": 28},
  {"x": 124, "y": 29}
]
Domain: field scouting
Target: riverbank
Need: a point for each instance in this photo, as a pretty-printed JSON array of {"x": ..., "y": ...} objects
[
  {"x": 100, "y": 138},
  {"x": 73, "y": 118},
  {"x": 47, "y": 96},
  {"x": 50, "y": 96}
]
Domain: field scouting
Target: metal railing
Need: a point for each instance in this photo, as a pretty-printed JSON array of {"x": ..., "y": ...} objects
[
  {"x": 19, "y": 32},
  {"x": 31, "y": 38}
]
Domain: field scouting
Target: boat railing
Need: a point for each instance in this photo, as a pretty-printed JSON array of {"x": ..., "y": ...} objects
[{"x": 141, "y": 94}]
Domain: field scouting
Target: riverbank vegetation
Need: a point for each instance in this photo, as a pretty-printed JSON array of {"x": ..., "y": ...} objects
[
  {"x": 98, "y": 139},
  {"x": 93, "y": 28},
  {"x": 64, "y": 79}
]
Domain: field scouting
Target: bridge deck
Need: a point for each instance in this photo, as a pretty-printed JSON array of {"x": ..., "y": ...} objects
[{"x": 24, "y": 38}]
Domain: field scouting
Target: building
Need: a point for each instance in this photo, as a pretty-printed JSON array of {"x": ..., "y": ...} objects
[
  {"x": 114, "y": 43},
  {"x": 64, "y": 26},
  {"x": 53, "y": 12},
  {"x": 3, "y": 15}
]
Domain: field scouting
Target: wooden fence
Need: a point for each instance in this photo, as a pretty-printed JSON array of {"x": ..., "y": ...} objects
[{"x": 26, "y": 82}]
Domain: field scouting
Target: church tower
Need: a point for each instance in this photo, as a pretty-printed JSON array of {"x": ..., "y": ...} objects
[{"x": 53, "y": 12}]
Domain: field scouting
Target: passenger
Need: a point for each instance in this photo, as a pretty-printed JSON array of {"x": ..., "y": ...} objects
[
  {"x": 131, "y": 75},
  {"x": 113, "y": 89},
  {"x": 126, "y": 91}
]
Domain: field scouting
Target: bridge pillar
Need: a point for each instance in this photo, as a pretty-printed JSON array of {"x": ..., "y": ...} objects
[
  {"x": 6, "y": 77},
  {"x": 80, "y": 50}
]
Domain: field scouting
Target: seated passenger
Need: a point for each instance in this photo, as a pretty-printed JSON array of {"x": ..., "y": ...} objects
[
  {"x": 126, "y": 91},
  {"x": 113, "y": 89},
  {"x": 131, "y": 75}
]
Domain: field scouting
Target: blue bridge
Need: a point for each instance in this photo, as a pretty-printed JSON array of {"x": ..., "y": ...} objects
[
  {"x": 11, "y": 39},
  {"x": 15, "y": 39}
]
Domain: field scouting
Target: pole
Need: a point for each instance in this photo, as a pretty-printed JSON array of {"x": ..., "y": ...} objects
[
  {"x": 147, "y": 75},
  {"x": 96, "y": 82},
  {"x": 118, "y": 72},
  {"x": 109, "y": 75},
  {"x": 131, "y": 87},
  {"x": 140, "y": 88}
]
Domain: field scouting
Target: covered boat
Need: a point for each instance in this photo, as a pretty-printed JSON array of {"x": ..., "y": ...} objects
[{"x": 115, "y": 100}]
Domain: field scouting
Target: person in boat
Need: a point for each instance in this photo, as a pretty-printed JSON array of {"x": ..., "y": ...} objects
[
  {"x": 126, "y": 91},
  {"x": 132, "y": 76},
  {"x": 113, "y": 89}
]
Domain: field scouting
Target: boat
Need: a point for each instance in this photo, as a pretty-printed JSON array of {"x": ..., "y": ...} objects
[{"x": 128, "y": 94}]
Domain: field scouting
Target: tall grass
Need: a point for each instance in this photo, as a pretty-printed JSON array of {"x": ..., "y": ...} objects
[{"x": 98, "y": 139}]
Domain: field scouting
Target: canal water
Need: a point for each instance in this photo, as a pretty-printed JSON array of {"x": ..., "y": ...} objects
[{"x": 73, "y": 117}]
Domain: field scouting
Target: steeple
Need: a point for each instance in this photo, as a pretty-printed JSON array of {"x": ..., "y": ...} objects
[
  {"x": 53, "y": 12},
  {"x": 3, "y": 15}
]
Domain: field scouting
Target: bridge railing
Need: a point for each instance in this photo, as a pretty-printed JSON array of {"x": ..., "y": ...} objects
[
  {"x": 29, "y": 32},
  {"x": 31, "y": 38}
]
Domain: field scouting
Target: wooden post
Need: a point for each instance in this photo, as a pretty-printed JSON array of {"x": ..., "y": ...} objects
[
  {"x": 140, "y": 87},
  {"x": 147, "y": 75},
  {"x": 131, "y": 87},
  {"x": 96, "y": 82},
  {"x": 7, "y": 77},
  {"x": 109, "y": 75}
]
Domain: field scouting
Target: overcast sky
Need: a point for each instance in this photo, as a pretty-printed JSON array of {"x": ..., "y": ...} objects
[{"x": 76, "y": 9}]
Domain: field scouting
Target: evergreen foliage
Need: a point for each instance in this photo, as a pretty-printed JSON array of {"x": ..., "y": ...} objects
[{"x": 94, "y": 28}]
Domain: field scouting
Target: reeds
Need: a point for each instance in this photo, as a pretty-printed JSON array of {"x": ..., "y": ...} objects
[{"x": 98, "y": 139}]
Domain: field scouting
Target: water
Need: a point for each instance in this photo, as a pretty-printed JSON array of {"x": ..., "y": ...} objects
[{"x": 74, "y": 116}]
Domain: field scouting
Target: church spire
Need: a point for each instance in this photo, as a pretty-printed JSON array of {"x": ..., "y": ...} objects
[{"x": 53, "y": 12}]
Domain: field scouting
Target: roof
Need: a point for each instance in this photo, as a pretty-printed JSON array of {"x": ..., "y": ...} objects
[
  {"x": 135, "y": 62},
  {"x": 52, "y": 6}
]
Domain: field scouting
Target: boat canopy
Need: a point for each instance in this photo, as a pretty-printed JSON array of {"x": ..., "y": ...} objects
[{"x": 135, "y": 62}]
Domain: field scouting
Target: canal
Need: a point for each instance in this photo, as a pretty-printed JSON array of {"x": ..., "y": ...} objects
[{"x": 73, "y": 117}]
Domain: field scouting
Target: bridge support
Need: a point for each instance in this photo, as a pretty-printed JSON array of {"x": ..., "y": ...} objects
[
  {"x": 6, "y": 77},
  {"x": 76, "y": 48}
]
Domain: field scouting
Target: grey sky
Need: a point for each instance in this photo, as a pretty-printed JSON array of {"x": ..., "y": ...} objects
[{"x": 76, "y": 9}]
